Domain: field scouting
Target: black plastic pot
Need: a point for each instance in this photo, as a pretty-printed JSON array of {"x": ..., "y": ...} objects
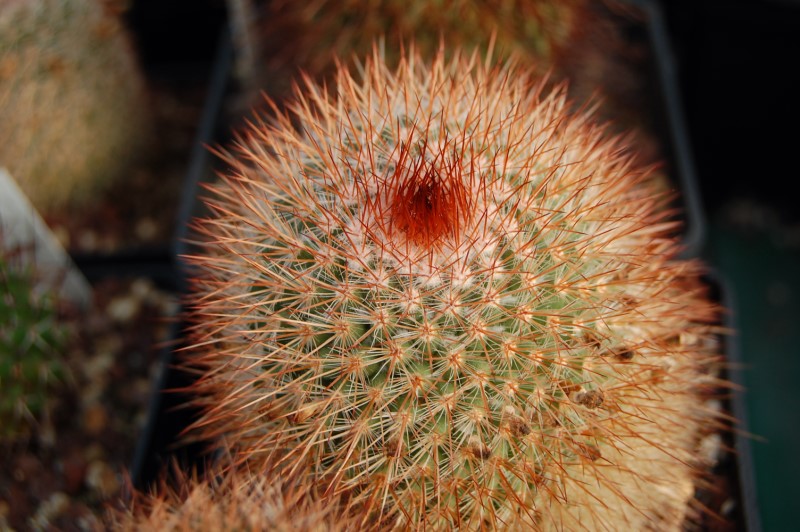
[
  {"x": 736, "y": 467},
  {"x": 740, "y": 462},
  {"x": 167, "y": 416},
  {"x": 670, "y": 125}
]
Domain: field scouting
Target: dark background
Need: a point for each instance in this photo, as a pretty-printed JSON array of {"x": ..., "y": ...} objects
[{"x": 737, "y": 64}]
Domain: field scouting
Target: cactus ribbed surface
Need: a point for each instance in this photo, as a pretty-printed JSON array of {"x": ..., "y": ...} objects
[
  {"x": 72, "y": 102},
  {"x": 437, "y": 289}
]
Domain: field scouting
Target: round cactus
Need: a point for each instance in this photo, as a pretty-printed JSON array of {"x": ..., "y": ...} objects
[
  {"x": 72, "y": 100},
  {"x": 437, "y": 289}
]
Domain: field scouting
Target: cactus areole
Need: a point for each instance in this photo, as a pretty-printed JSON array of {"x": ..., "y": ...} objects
[{"x": 439, "y": 290}]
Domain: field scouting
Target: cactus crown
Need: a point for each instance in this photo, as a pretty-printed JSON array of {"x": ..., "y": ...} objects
[{"x": 440, "y": 291}]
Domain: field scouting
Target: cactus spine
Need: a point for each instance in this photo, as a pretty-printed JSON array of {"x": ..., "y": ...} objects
[
  {"x": 72, "y": 102},
  {"x": 441, "y": 292},
  {"x": 234, "y": 500}
]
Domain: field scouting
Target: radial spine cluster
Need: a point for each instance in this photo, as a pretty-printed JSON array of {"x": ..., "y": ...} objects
[{"x": 440, "y": 291}]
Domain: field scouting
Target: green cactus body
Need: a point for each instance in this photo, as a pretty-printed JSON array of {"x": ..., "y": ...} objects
[
  {"x": 441, "y": 292},
  {"x": 30, "y": 342},
  {"x": 72, "y": 101}
]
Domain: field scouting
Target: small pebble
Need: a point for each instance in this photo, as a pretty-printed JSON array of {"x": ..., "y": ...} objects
[
  {"x": 710, "y": 449},
  {"x": 123, "y": 309},
  {"x": 727, "y": 508},
  {"x": 102, "y": 479},
  {"x": 49, "y": 510},
  {"x": 142, "y": 289},
  {"x": 146, "y": 229}
]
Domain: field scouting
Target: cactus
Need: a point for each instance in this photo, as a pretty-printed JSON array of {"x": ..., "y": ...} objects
[
  {"x": 72, "y": 102},
  {"x": 281, "y": 38},
  {"x": 583, "y": 41},
  {"x": 30, "y": 350},
  {"x": 233, "y": 500},
  {"x": 437, "y": 289}
]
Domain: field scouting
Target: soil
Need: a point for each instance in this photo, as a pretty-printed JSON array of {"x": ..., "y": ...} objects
[{"x": 77, "y": 459}]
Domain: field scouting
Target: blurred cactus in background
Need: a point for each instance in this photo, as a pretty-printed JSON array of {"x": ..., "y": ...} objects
[
  {"x": 584, "y": 42},
  {"x": 72, "y": 100},
  {"x": 31, "y": 342},
  {"x": 235, "y": 500},
  {"x": 438, "y": 291},
  {"x": 279, "y": 39}
]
